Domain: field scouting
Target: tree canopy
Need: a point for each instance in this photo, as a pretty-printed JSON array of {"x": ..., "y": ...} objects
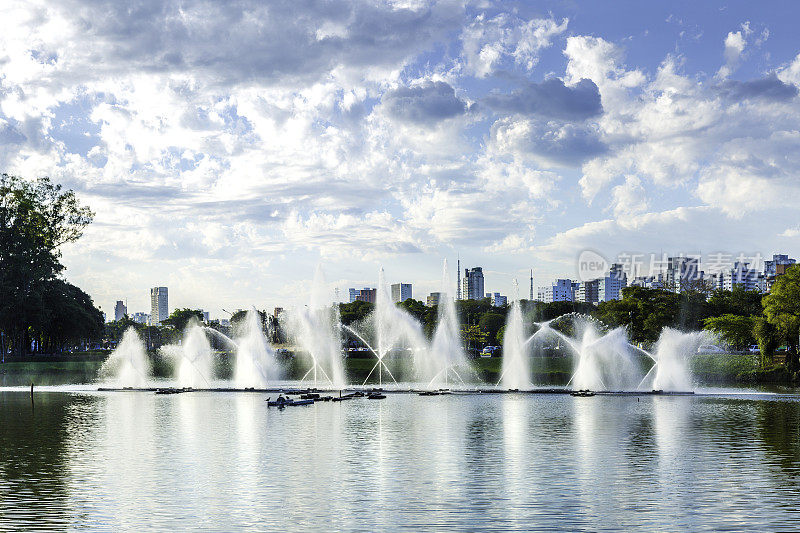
[{"x": 38, "y": 310}]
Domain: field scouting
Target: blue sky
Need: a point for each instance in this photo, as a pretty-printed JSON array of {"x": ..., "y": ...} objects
[{"x": 228, "y": 149}]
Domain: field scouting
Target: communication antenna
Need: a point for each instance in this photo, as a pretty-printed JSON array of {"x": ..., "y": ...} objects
[{"x": 458, "y": 278}]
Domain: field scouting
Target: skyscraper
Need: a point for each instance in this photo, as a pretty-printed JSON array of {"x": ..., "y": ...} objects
[
  {"x": 120, "y": 310},
  {"x": 159, "y": 305},
  {"x": 472, "y": 284},
  {"x": 401, "y": 292}
]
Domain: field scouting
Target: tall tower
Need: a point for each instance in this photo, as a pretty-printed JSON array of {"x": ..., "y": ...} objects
[
  {"x": 531, "y": 284},
  {"x": 458, "y": 278}
]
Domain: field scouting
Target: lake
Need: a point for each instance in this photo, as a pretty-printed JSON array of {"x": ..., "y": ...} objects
[{"x": 83, "y": 459}]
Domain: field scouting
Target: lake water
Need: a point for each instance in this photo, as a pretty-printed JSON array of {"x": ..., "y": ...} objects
[{"x": 225, "y": 461}]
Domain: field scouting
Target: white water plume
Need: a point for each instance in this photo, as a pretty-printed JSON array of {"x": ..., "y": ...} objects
[
  {"x": 128, "y": 365},
  {"x": 256, "y": 365}
]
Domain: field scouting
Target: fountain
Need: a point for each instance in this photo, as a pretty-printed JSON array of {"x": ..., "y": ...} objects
[
  {"x": 193, "y": 356},
  {"x": 672, "y": 353},
  {"x": 394, "y": 329},
  {"x": 446, "y": 354},
  {"x": 128, "y": 365},
  {"x": 317, "y": 330},
  {"x": 256, "y": 365},
  {"x": 516, "y": 363}
]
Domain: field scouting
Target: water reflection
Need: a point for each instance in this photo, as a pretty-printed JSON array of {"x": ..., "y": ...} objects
[{"x": 472, "y": 462}]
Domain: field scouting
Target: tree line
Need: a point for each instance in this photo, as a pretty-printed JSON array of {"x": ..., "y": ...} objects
[{"x": 41, "y": 312}]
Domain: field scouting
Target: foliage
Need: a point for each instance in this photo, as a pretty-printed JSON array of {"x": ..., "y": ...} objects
[
  {"x": 38, "y": 310},
  {"x": 473, "y": 336},
  {"x": 782, "y": 308},
  {"x": 490, "y": 323},
  {"x": 354, "y": 312},
  {"x": 766, "y": 336},
  {"x": 735, "y": 330},
  {"x": 739, "y": 302},
  {"x": 181, "y": 317}
]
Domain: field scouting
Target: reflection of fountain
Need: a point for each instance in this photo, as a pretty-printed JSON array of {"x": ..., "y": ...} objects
[
  {"x": 128, "y": 364},
  {"x": 255, "y": 360},
  {"x": 316, "y": 329},
  {"x": 516, "y": 365},
  {"x": 446, "y": 352}
]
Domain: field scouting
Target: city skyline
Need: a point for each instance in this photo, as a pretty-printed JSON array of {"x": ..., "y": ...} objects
[
  {"x": 719, "y": 271},
  {"x": 512, "y": 135}
]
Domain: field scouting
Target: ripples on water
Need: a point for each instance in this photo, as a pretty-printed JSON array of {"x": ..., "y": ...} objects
[{"x": 132, "y": 461}]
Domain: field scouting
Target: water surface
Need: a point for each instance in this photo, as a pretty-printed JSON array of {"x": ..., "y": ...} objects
[{"x": 223, "y": 461}]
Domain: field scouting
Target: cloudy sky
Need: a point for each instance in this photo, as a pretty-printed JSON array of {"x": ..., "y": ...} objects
[{"x": 228, "y": 148}]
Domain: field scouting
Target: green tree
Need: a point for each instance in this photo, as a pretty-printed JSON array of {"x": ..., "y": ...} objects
[
  {"x": 736, "y": 302},
  {"x": 181, "y": 317},
  {"x": 36, "y": 219},
  {"x": 474, "y": 337},
  {"x": 767, "y": 337},
  {"x": 734, "y": 330},
  {"x": 354, "y": 311},
  {"x": 782, "y": 308},
  {"x": 490, "y": 323}
]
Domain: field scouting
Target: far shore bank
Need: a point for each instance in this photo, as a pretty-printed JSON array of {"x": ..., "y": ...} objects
[{"x": 84, "y": 367}]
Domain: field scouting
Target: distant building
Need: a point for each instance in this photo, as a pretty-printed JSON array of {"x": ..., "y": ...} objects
[
  {"x": 401, "y": 292},
  {"x": 771, "y": 267},
  {"x": 588, "y": 292},
  {"x": 498, "y": 300},
  {"x": 277, "y": 312},
  {"x": 433, "y": 299},
  {"x": 610, "y": 287},
  {"x": 682, "y": 272},
  {"x": 741, "y": 275},
  {"x": 363, "y": 295},
  {"x": 472, "y": 284},
  {"x": 120, "y": 310},
  {"x": 649, "y": 282},
  {"x": 563, "y": 290},
  {"x": 774, "y": 269},
  {"x": 159, "y": 305},
  {"x": 141, "y": 318},
  {"x": 206, "y": 316}
]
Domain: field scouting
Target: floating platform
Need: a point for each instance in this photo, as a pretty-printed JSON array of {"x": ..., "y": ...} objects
[{"x": 351, "y": 392}]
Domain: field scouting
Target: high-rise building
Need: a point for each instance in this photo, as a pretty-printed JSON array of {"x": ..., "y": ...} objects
[
  {"x": 363, "y": 295},
  {"x": 610, "y": 286},
  {"x": 771, "y": 267},
  {"x": 120, "y": 310},
  {"x": 498, "y": 300},
  {"x": 682, "y": 272},
  {"x": 159, "y": 305},
  {"x": 588, "y": 292},
  {"x": 401, "y": 292},
  {"x": 472, "y": 284},
  {"x": 563, "y": 290},
  {"x": 141, "y": 318},
  {"x": 433, "y": 299}
]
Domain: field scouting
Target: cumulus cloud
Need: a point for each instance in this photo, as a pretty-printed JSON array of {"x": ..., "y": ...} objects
[
  {"x": 552, "y": 144},
  {"x": 768, "y": 88},
  {"x": 424, "y": 104},
  {"x": 215, "y": 138},
  {"x": 506, "y": 41},
  {"x": 735, "y": 43},
  {"x": 551, "y": 99}
]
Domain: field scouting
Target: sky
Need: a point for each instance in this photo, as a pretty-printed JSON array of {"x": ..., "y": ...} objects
[{"x": 229, "y": 149}]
